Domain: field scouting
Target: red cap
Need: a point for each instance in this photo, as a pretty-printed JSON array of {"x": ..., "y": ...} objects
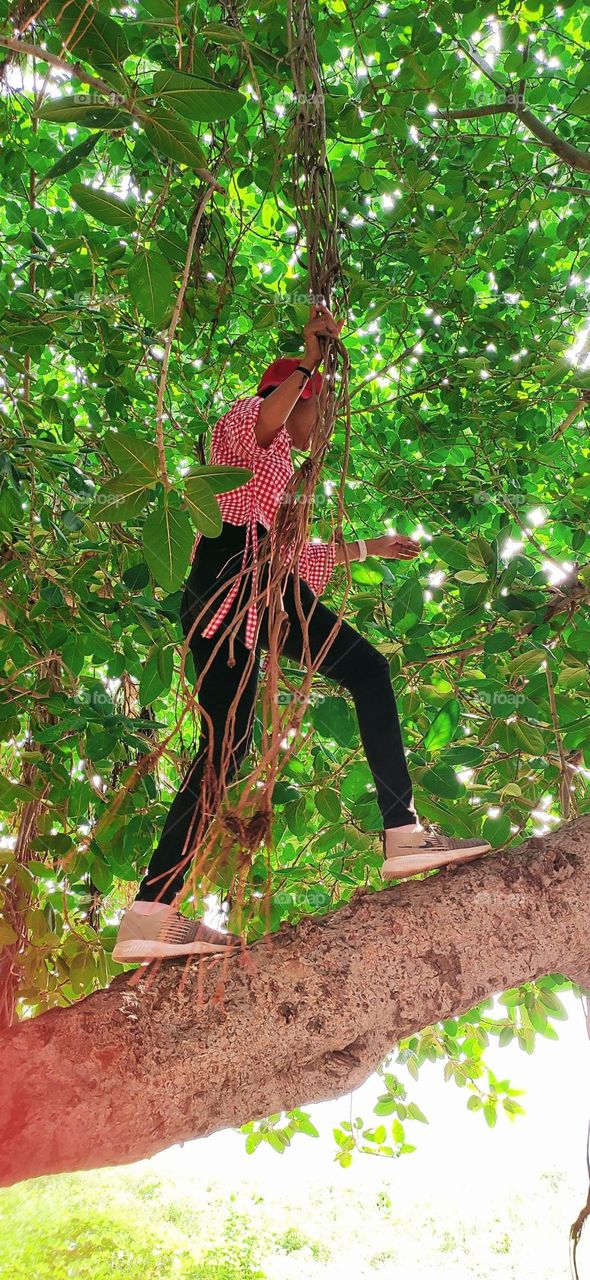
[{"x": 282, "y": 369}]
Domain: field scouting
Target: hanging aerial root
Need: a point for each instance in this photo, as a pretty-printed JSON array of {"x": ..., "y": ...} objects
[
  {"x": 313, "y": 194},
  {"x": 314, "y": 197},
  {"x": 576, "y": 1235},
  {"x": 250, "y": 832}
]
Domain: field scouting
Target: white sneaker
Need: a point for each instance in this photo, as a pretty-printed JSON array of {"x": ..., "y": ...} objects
[
  {"x": 165, "y": 933},
  {"x": 410, "y": 852}
]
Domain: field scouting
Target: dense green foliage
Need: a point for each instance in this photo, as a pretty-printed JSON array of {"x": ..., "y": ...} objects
[
  {"x": 463, "y": 243},
  {"x": 192, "y": 1223}
]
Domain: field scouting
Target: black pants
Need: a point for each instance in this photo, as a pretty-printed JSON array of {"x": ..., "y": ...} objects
[{"x": 351, "y": 662}]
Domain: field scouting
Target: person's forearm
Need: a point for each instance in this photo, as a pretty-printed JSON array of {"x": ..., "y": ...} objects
[
  {"x": 275, "y": 409},
  {"x": 388, "y": 546},
  {"x": 304, "y": 414},
  {"x": 351, "y": 550}
]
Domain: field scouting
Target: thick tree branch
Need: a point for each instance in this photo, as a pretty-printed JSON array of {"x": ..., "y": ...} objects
[
  {"x": 512, "y": 106},
  {"x": 301, "y": 1017},
  {"x": 571, "y": 155},
  {"x": 477, "y": 113}
]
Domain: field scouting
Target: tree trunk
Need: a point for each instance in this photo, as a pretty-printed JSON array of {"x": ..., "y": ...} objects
[{"x": 301, "y": 1017}]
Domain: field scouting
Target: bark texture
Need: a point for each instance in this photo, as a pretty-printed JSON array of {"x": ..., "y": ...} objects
[{"x": 298, "y": 1018}]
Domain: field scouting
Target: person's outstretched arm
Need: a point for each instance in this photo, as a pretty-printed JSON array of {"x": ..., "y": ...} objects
[
  {"x": 317, "y": 559},
  {"x": 390, "y": 546}
]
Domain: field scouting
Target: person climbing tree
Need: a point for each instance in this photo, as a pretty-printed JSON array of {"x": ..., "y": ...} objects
[{"x": 258, "y": 432}]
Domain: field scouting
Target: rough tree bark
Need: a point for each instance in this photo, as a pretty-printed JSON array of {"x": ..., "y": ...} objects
[{"x": 300, "y": 1018}]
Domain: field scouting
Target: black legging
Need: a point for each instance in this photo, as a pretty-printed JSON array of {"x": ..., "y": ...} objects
[{"x": 351, "y": 661}]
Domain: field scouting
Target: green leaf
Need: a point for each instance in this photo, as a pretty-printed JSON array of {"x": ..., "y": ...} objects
[
  {"x": 167, "y": 542},
  {"x": 7, "y": 934},
  {"x": 525, "y": 664},
  {"x": 157, "y": 674},
  {"x": 497, "y": 830},
  {"x": 327, "y": 803},
  {"x": 370, "y": 573},
  {"x": 470, "y": 576},
  {"x": 120, "y": 499},
  {"x": 162, "y": 10},
  {"x": 221, "y": 479},
  {"x": 150, "y": 285},
  {"x": 104, "y": 207},
  {"x": 448, "y": 819},
  {"x": 83, "y": 111},
  {"x": 276, "y": 1141},
  {"x": 295, "y": 816},
  {"x": 498, "y": 642},
  {"x": 203, "y": 507},
  {"x": 538, "y": 1018},
  {"x": 101, "y": 875},
  {"x": 88, "y": 33},
  {"x": 82, "y": 970},
  {"x": 135, "y": 457},
  {"x": 253, "y": 1141},
  {"x": 398, "y": 1132},
  {"x": 222, "y": 34},
  {"x": 333, "y": 718},
  {"x": 490, "y": 1113},
  {"x": 195, "y": 98},
  {"x": 409, "y": 605},
  {"x": 170, "y": 135},
  {"x": 386, "y": 1106},
  {"x": 528, "y": 738},
  {"x": 26, "y": 336},
  {"x": 13, "y": 793},
  {"x": 443, "y": 727},
  {"x": 304, "y": 1125},
  {"x": 555, "y": 1006},
  {"x": 137, "y": 576},
  {"x": 442, "y": 781},
  {"x": 453, "y": 552},
  {"x": 71, "y": 158}
]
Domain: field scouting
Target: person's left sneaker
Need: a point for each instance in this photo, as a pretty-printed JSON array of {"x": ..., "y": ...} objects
[
  {"x": 408, "y": 852},
  {"x": 164, "y": 933}
]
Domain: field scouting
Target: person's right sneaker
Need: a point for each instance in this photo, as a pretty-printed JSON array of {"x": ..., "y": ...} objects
[
  {"x": 410, "y": 853},
  {"x": 165, "y": 933}
]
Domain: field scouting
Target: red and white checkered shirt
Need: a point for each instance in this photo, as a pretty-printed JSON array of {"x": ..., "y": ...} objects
[{"x": 234, "y": 444}]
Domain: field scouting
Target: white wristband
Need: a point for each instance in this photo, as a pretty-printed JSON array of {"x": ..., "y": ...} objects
[{"x": 362, "y": 549}]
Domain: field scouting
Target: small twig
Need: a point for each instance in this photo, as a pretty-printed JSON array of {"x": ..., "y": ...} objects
[
  {"x": 571, "y": 416},
  {"x": 565, "y": 794},
  {"x": 115, "y": 99},
  {"x": 196, "y": 222},
  {"x": 70, "y": 68}
]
